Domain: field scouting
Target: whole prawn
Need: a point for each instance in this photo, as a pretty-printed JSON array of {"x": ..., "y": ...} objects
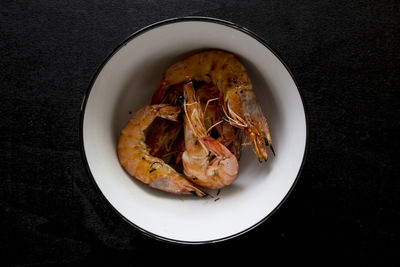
[
  {"x": 199, "y": 166},
  {"x": 224, "y": 70},
  {"x": 134, "y": 154}
]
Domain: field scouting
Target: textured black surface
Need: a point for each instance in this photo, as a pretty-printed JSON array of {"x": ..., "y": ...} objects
[{"x": 345, "y": 207}]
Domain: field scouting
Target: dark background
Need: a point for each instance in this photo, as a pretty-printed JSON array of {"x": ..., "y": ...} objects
[{"x": 345, "y": 206}]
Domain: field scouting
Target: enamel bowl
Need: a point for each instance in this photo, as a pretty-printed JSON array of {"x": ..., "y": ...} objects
[{"x": 126, "y": 81}]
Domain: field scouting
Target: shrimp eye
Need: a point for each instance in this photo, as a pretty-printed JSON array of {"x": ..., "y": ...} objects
[
  {"x": 180, "y": 99},
  {"x": 180, "y": 119}
]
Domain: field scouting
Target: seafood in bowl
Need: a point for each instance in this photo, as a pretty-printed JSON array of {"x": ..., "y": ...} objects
[
  {"x": 128, "y": 79},
  {"x": 211, "y": 93}
]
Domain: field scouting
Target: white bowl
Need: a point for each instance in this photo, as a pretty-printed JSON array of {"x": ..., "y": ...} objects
[{"x": 126, "y": 81}]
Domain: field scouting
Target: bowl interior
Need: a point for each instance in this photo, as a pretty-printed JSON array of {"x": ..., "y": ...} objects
[{"x": 127, "y": 81}]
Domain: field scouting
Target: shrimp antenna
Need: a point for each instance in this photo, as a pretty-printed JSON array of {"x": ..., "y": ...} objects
[
  {"x": 232, "y": 120},
  {"x": 197, "y": 132},
  {"x": 243, "y": 122},
  {"x": 215, "y": 124},
  {"x": 208, "y": 101}
]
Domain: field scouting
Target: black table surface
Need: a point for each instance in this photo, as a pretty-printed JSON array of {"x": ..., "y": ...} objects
[{"x": 345, "y": 206}]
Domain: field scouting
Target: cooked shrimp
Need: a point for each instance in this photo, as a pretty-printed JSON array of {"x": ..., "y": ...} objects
[
  {"x": 135, "y": 157},
  {"x": 199, "y": 165},
  {"x": 239, "y": 101}
]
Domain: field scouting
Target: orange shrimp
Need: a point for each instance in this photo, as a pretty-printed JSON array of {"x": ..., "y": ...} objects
[
  {"x": 214, "y": 170},
  {"x": 240, "y": 106},
  {"x": 134, "y": 155}
]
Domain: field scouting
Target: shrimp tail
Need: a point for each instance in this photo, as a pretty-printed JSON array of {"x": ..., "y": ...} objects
[
  {"x": 176, "y": 186},
  {"x": 224, "y": 156},
  {"x": 215, "y": 147},
  {"x": 169, "y": 112}
]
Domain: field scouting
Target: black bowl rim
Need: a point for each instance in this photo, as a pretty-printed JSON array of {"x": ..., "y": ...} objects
[{"x": 150, "y": 27}]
